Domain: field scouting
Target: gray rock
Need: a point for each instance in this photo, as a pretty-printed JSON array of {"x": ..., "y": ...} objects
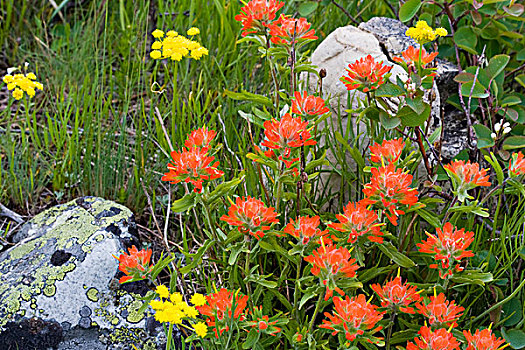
[{"x": 62, "y": 270}]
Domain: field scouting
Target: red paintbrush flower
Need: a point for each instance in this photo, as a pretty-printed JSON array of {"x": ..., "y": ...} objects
[
  {"x": 285, "y": 134},
  {"x": 449, "y": 245},
  {"x": 330, "y": 264},
  {"x": 288, "y": 30},
  {"x": 440, "y": 311},
  {"x": 355, "y": 317},
  {"x": 483, "y": 340},
  {"x": 200, "y": 138},
  {"x": 305, "y": 229},
  {"x": 257, "y": 15},
  {"x": 135, "y": 265},
  {"x": 517, "y": 165},
  {"x": 411, "y": 57},
  {"x": 251, "y": 216},
  {"x": 389, "y": 151},
  {"x": 466, "y": 176},
  {"x": 221, "y": 308},
  {"x": 193, "y": 166},
  {"x": 440, "y": 339},
  {"x": 308, "y": 105},
  {"x": 397, "y": 296},
  {"x": 365, "y": 74},
  {"x": 389, "y": 190},
  {"x": 357, "y": 221},
  {"x": 262, "y": 323}
]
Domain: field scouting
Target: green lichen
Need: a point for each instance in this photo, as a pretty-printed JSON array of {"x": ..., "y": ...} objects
[
  {"x": 50, "y": 290},
  {"x": 92, "y": 294},
  {"x": 134, "y": 316}
]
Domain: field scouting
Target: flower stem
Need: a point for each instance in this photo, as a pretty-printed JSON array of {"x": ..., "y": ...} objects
[
  {"x": 389, "y": 333},
  {"x": 316, "y": 311}
]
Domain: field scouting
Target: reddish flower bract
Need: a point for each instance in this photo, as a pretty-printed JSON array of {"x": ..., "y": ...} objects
[
  {"x": 305, "y": 229},
  {"x": 357, "y": 221},
  {"x": 517, "y": 164},
  {"x": 251, "y": 216},
  {"x": 440, "y": 311},
  {"x": 411, "y": 56},
  {"x": 396, "y": 295},
  {"x": 449, "y": 245},
  {"x": 134, "y": 265},
  {"x": 309, "y": 105},
  {"x": 365, "y": 74},
  {"x": 193, "y": 166},
  {"x": 287, "y": 30},
  {"x": 440, "y": 339},
  {"x": 389, "y": 151},
  {"x": 200, "y": 138},
  {"x": 353, "y": 316},
  {"x": 257, "y": 14},
  {"x": 482, "y": 340}
]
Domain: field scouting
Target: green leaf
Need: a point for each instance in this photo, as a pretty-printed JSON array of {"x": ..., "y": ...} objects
[
  {"x": 389, "y": 90},
  {"x": 510, "y": 100},
  {"x": 497, "y": 64},
  {"x": 410, "y": 118},
  {"x": 514, "y": 142},
  {"x": 512, "y": 312},
  {"x": 248, "y": 96},
  {"x": 409, "y": 10},
  {"x": 483, "y": 134},
  {"x": 307, "y": 8},
  {"x": 224, "y": 189},
  {"x": 416, "y": 104},
  {"x": 520, "y": 79},
  {"x": 497, "y": 167},
  {"x": 464, "y": 77},
  {"x": 479, "y": 90},
  {"x": 197, "y": 257},
  {"x": 473, "y": 277},
  {"x": 466, "y": 39},
  {"x": 184, "y": 204},
  {"x": 429, "y": 217},
  {"x": 399, "y": 258},
  {"x": 308, "y": 294},
  {"x": 387, "y": 121},
  {"x": 251, "y": 339},
  {"x": 520, "y": 56},
  {"x": 515, "y": 337}
]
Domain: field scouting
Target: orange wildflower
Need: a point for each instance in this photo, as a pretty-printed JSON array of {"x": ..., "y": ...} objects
[
  {"x": 251, "y": 216},
  {"x": 257, "y": 15},
  {"x": 355, "y": 317},
  {"x": 397, "y": 296},
  {"x": 200, "y": 138},
  {"x": 440, "y": 311},
  {"x": 262, "y": 323},
  {"x": 357, "y": 221},
  {"x": 287, "y": 30},
  {"x": 389, "y": 189},
  {"x": 517, "y": 165},
  {"x": 449, "y": 245},
  {"x": 135, "y": 265},
  {"x": 411, "y": 57},
  {"x": 440, "y": 339},
  {"x": 330, "y": 264},
  {"x": 308, "y": 105},
  {"x": 192, "y": 166},
  {"x": 285, "y": 134},
  {"x": 305, "y": 229},
  {"x": 389, "y": 151},
  {"x": 466, "y": 176},
  {"x": 365, "y": 74},
  {"x": 482, "y": 340},
  {"x": 221, "y": 308}
]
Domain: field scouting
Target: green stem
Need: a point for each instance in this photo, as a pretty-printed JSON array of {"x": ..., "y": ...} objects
[
  {"x": 316, "y": 311},
  {"x": 296, "y": 291},
  {"x": 170, "y": 336},
  {"x": 389, "y": 333}
]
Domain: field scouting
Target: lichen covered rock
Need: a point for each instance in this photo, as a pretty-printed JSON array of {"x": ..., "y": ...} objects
[{"x": 62, "y": 270}]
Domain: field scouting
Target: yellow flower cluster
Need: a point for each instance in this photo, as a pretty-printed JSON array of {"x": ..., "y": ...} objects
[
  {"x": 21, "y": 83},
  {"x": 423, "y": 33},
  {"x": 171, "y": 308},
  {"x": 175, "y": 46}
]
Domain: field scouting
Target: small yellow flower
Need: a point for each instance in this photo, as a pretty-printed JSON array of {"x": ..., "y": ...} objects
[
  {"x": 200, "y": 329},
  {"x": 193, "y": 31},
  {"x": 172, "y": 33},
  {"x": 155, "y": 54},
  {"x": 199, "y": 52},
  {"x": 30, "y": 91},
  {"x": 157, "y": 305},
  {"x": 423, "y": 33},
  {"x": 18, "y": 94},
  {"x": 157, "y": 33},
  {"x": 8, "y": 79},
  {"x": 441, "y": 31},
  {"x": 176, "y": 298},
  {"x": 11, "y": 86},
  {"x": 157, "y": 45},
  {"x": 31, "y": 76},
  {"x": 198, "y": 299},
  {"x": 163, "y": 291}
]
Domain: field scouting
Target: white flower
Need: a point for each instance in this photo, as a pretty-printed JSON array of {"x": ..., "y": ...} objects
[
  {"x": 11, "y": 70},
  {"x": 506, "y": 130},
  {"x": 497, "y": 127},
  {"x": 493, "y": 135},
  {"x": 26, "y": 64},
  {"x": 506, "y": 125}
]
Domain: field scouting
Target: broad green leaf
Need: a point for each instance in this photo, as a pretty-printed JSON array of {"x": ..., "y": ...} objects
[
  {"x": 466, "y": 39},
  {"x": 389, "y": 90},
  {"x": 416, "y": 104},
  {"x": 389, "y": 250},
  {"x": 520, "y": 56},
  {"x": 510, "y": 100},
  {"x": 251, "y": 339},
  {"x": 464, "y": 77},
  {"x": 514, "y": 142},
  {"x": 184, "y": 204},
  {"x": 483, "y": 134},
  {"x": 224, "y": 189},
  {"x": 387, "y": 121},
  {"x": 497, "y": 64},
  {"x": 479, "y": 90},
  {"x": 520, "y": 79},
  {"x": 307, "y": 8},
  {"x": 512, "y": 312},
  {"x": 515, "y": 10},
  {"x": 409, "y": 10},
  {"x": 515, "y": 337},
  {"x": 248, "y": 96},
  {"x": 410, "y": 118},
  {"x": 429, "y": 217}
]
